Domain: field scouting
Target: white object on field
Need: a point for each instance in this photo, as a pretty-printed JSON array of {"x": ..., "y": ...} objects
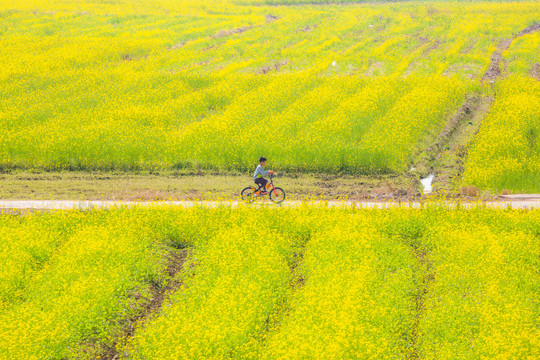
[
  {"x": 371, "y": 25},
  {"x": 334, "y": 63},
  {"x": 426, "y": 183}
]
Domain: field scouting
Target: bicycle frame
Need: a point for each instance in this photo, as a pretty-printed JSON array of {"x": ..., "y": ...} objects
[
  {"x": 271, "y": 184},
  {"x": 250, "y": 192}
]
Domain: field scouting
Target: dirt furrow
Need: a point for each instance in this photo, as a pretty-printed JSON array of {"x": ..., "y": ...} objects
[
  {"x": 160, "y": 291},
  {"x": 413, "y": 236},
  {"x": 446, "y": 155},
  {"x": 426, "y": 279},
  {"x": 282, "y": 308},
  {"x": 445, "y": 158},
  {"x": 494, "y": 70}
]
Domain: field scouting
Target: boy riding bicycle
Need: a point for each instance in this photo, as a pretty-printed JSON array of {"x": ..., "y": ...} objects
[
  {"x": 258, "y": 176},
  {"x": 266, "y": 187}
]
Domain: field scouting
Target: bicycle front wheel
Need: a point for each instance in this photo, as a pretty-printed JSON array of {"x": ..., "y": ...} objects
[
  {"x": 247, "y": 194},
  {"x": 277, "y": 195}
]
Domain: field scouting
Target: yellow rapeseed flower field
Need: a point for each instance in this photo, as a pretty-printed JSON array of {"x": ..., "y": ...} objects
[
  {"x": 133, "y": 84},
  {"x": 316, "y": 86},
  {"x": 300, "y": 283}
]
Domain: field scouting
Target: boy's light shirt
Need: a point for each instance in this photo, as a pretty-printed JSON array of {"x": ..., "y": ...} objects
[{"x": 259, "y": 172}]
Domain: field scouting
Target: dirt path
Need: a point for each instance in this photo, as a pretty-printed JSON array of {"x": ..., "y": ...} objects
[
  {"x": 186, "y": 185},
  {"x": 445, "y": 157},
  {"x": 423, "y": 277}
]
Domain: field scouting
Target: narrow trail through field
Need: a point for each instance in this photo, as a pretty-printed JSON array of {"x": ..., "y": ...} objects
[
  {"x": 296, "y": 282},
  {"x": 426, "y": 277},
  {"x": 444, "y": 159},
  {"x": 160, "y": 292},
  {"x": 413, "y": 236},
  {"x": 494, "y": 70}
]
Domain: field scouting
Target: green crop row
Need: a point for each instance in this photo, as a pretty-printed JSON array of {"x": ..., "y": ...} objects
[{"x": 506, "y": 152}]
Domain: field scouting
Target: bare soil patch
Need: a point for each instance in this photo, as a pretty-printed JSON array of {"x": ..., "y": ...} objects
[
  {"x": 528, "y": 30},
  {"x": 468, "y": 48},
  {"x": 239, "y": 30},
  {"x": 297, "y": 281},
  {"x": 308, "y": 28},
  {"x": 425, "y": 282},
  {"x": 178, "y": 46},
  {"x": 222, "y": 33},
  {"x": 270, "y": 18},
  {"x": 435, "y": 45},
  {"x": 192, "y": 185},
  {"x": 470, "y": 70},
  {"x": 273, "y": 67},
  {"x": 535, "y": 71},
  {"x": 374, "y": 68},
  {"x": 129, "y": 57}
]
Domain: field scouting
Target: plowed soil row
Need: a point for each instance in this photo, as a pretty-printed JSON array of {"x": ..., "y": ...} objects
[{"x": 159, "y": 294}]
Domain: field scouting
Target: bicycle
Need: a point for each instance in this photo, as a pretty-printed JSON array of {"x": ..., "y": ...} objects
[{"x": 251, "y": 193}]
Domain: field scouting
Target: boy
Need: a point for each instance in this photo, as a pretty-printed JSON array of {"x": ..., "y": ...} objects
[{"x": 258, "y": 176}]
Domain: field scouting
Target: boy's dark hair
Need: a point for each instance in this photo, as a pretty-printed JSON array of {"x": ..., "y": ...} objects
[{"x": 261, "y": 159}]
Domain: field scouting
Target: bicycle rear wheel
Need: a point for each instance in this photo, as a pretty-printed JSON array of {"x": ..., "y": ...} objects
[
  {"x": 277, "y": 195},
  {"x": 247, "y": 194}
]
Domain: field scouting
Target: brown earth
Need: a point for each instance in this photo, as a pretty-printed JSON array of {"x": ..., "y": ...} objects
[
  {"x": 494, "y": 71},
  {"x": 239, "y": 30},
  {"x": 535, "y": 71},
  {"x": 274, "y": 67},
  {"x": 195, "y": 185},
  {"x": 308, "y": 28}
]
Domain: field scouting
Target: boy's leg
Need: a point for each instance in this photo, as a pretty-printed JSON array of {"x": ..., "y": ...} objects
[{"x": 262, "y": 182}]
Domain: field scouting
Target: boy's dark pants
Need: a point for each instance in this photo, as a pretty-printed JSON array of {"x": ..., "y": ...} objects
[{"x": 261, "y": 182}]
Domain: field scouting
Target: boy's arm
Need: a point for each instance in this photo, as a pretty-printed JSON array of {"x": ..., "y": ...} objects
[{"x": 260, "y": 171}]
